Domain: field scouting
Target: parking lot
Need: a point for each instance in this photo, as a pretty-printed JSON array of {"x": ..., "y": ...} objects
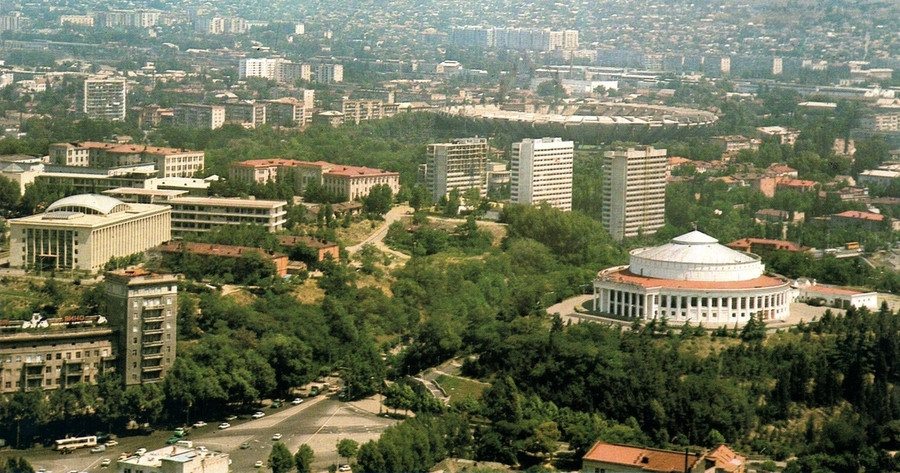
[{"x": 320, "y": 422}]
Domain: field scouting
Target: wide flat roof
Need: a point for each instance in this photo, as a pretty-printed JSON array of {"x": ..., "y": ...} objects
[
  {"x": 227, "y": 202},
  {"x": 81, "y": 220}
]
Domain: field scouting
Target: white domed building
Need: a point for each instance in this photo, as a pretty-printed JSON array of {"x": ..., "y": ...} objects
[{"x": 693, "y": 278}]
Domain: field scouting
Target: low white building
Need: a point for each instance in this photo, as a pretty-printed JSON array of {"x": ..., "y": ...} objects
[
  {"x": 175, "y": 459},
  {"x": 692, "y": 279},
  {"x": 809, "y": 291}
]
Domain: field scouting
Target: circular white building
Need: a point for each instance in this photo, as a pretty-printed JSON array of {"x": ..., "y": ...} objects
[{"x": 695, "y": 279}]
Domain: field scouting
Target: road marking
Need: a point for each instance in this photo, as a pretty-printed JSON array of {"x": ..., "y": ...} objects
[{"x": 324, "y": 424}]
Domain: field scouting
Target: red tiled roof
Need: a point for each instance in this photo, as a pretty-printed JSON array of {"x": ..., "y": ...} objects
[
  {"x": 745, "y": 244},
  {"x": 856, "y": 214},
  {"x": 130, "y": 148},
  {"x": 726, "y": 459},
  {"x": 626, "y": 277},
  {"x": 644, "y": 458},
  {"x": 213, "y": 249},
  {"x": 353, "y": 171},
  {"x": 832, "y": 290}
]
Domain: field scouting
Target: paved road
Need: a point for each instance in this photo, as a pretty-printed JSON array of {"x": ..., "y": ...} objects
[
  {"x": 319, "y": 422},
  {"x": 376, "y": 238}
]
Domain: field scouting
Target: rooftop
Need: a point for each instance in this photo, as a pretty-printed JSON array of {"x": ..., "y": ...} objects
[{"x": 624, "y": 276}]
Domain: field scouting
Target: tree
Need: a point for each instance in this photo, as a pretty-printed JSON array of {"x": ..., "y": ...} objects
[
  {"x": 280, "y": 460},
  {"x": 379, "y": 200},
  {"x": 303, "y": 458},
  {"x": 9, "y": 195},
  {"x": 347, "y": 448}
]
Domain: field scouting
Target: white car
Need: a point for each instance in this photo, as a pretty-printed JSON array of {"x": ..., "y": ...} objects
[
  {"x": 297, "y": 401},
  {"x": 112, "y": 443},
  {"x": 258, "y": 464},
  {"x": 224, "y": 425},
  {"x": 105, "y": 462},
  {"x": 258, "y": 414},
  {"x": 276, "y": 437},
  {"x": 344, "y": 468},
  {"x": 199, "y": 424}
]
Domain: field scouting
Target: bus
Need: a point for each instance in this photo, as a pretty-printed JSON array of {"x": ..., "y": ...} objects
[{"x": 73, "y": 443}]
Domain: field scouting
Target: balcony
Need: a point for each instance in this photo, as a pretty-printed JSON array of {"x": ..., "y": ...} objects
[{"x": 152, "y": 342}]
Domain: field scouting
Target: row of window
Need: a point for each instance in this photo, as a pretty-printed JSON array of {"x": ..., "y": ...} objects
[{"x": 59, "y": 356}]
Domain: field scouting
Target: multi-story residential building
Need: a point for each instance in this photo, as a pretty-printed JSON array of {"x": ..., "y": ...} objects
[
  {"x": 537, "y": 39},
  {"x": 634, "y": 191},
  {"x": 350, "y": 182},
  {"x": 220, "y": 25},
  {"x": 127, "y": 18},
  {"x": 361, "y": 110},
  {"x": 169, "y": 162},
  {"x": 144, "y": 308},
  {"x": 76, "y": 20},
  {"x": 248, "y": 114},
  {"x": 289, "y": 72},
  {"x": 54, "y": 353},
  {"x": 541, "y": 171},
  {"x": 104, "y": 99},
  {"x": 208, "y": 117},
  {"x": 460, "y": 164},
  {"x": 881, "y": 122},
  {"x": 329, "y": 73},
  {"x": 258, "y": 67},
  {"x": 82, "y": 232},
  {"x": 193, "y": 215},
  {"x": 286, "y": 110}
]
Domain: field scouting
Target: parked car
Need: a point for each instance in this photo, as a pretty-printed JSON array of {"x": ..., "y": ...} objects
[
  {"x": 173, "y": 440},
  {"x": 296, "y": 401},
  {"x": 105, "y": 462},
  {"x": 231, "y": 418},
  {"x": 224, "y": 425},
  {"x": 112, "y": 443},
  {"x": 257, "y": 415},
  {"x": 258, "y": 464},
  {"x": 277, "y": 403},
  {"x": 245, "y": 445},
  {"x": 344, "y": 468},
  {"x": 276, "y": 437},
  {"x": 98, "y": 449},
  {"x": 180, "y": 432},
  {"x": 199, "y": 424}
]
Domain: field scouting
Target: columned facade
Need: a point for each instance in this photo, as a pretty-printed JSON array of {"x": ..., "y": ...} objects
[{"x": 692, "y": 279}]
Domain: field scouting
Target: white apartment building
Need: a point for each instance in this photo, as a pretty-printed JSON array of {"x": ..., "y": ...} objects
[
  {"x": 258, "y": 67},
  {"x": 104, "y": 99},
  {"x": 84, "y": 231},
  {"x": 541, "y": 171},
  {"x": 460, "y": 164},
  {"x": 634, "y": 191}
]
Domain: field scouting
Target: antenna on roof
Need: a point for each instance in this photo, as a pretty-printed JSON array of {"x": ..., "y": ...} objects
[{"x": 694, "y": 224}]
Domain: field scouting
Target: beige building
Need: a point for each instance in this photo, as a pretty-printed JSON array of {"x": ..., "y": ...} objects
[
  {"x": 460, "y": 164},
  {"x": 170, "y": 162},
  {"x": 54, "y": 353},
  {"x": 143, "y": 306},
  {"x": 192, "y": 215},
  {"x": 84, "y": 231},
  {"x": 350, "y": 182},
  {"x": 541, "y": 171},
  {"x": 175, "y": 459},
  {"x": 634, "y": 191},
  {"x": 362, "y": 110}
]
